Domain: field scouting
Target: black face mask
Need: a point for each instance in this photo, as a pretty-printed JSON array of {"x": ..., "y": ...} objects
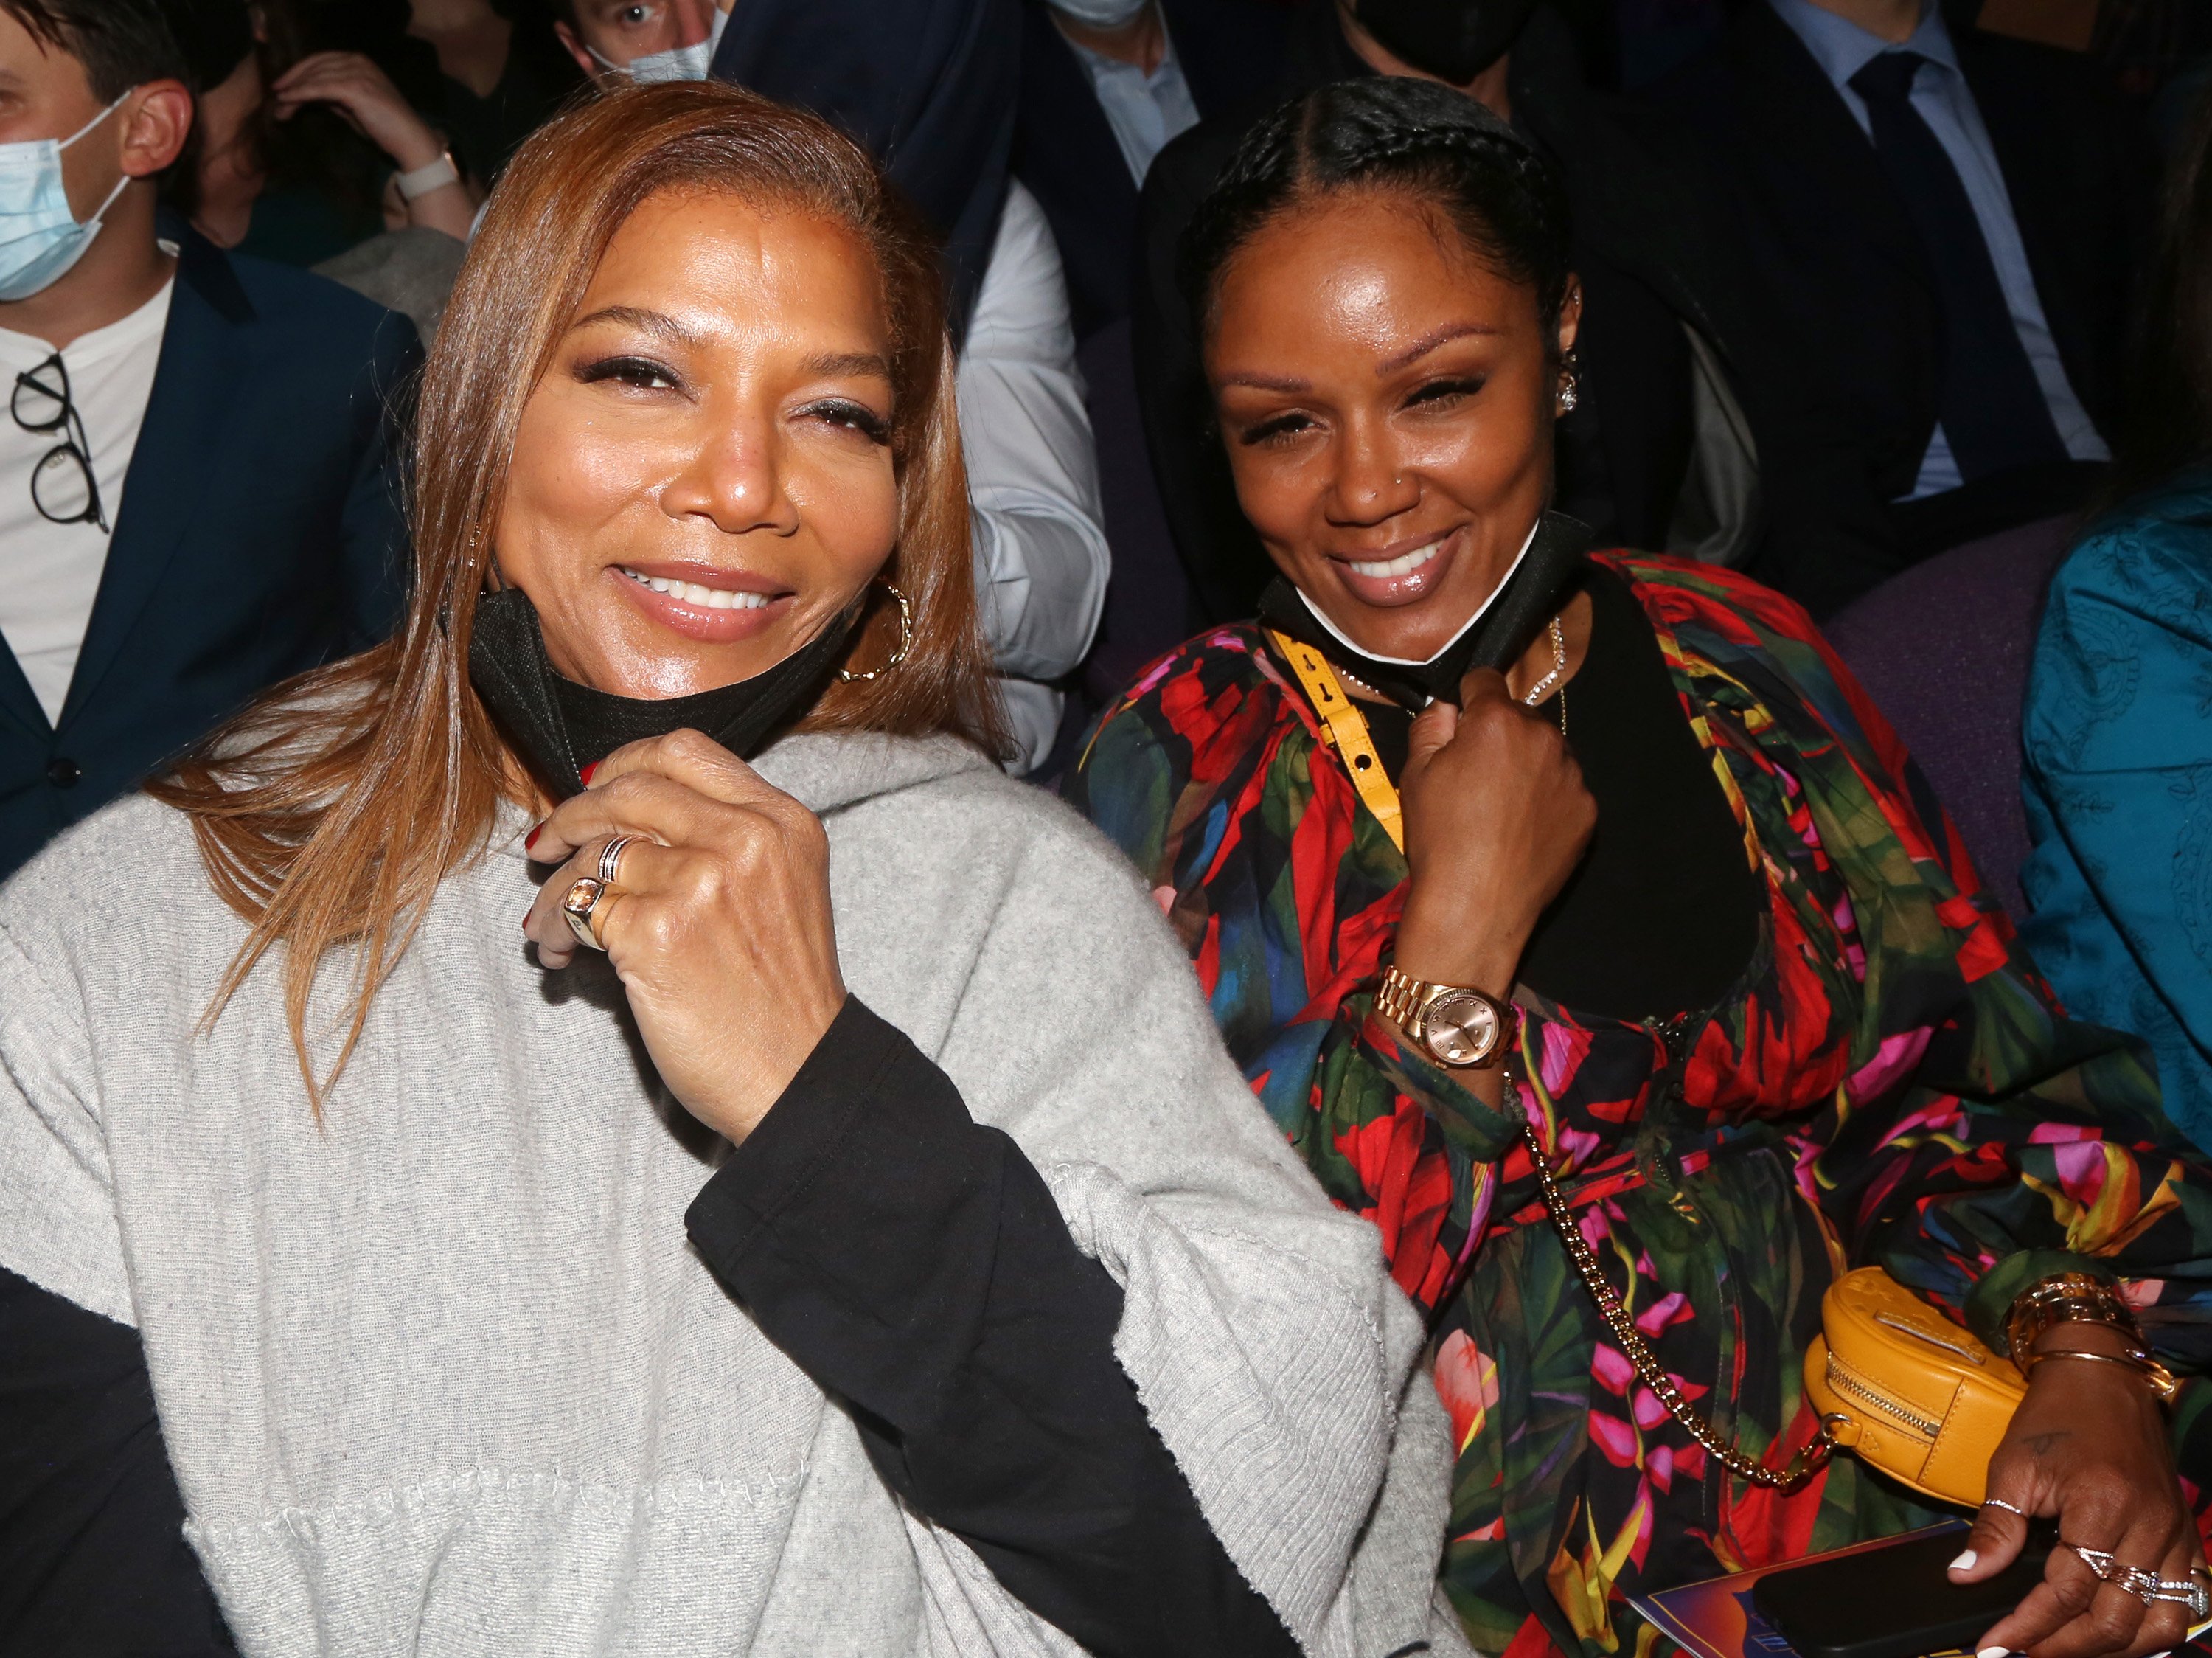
[
  {"x": 1454, "y": 40},
  {"x": 1539, "y": 585},
  {"x": 561, "y": 727}
]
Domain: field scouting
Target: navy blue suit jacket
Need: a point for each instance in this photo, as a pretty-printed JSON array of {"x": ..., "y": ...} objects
[{"x": 261, "y": 534}]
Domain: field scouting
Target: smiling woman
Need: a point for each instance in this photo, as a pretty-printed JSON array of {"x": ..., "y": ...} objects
[
  {"x": 635, "y": 1283},
  {"x": 1500, "y": 864}
]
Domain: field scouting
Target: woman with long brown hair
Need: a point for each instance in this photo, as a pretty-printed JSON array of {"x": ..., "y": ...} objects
[{"x": 1004, "y": 1319}]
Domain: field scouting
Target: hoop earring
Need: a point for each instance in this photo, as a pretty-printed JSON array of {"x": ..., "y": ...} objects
[
  {"x": 906, "y": 638},
  {"x": 1569, "y": 383}
]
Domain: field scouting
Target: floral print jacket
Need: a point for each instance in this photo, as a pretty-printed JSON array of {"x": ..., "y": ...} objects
[{"x": 1888, "y": 1082}]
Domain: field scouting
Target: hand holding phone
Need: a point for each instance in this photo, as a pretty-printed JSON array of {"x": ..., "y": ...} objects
[{"x": 1894, "y": 1602}]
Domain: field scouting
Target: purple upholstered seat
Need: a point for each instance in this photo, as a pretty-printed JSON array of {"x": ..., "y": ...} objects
[{"x": 1943, "y": 649}]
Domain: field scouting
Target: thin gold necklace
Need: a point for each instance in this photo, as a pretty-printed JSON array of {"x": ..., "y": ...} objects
[
  {"x": 1559, "y": 667},
  {"x": 1535, "y": 691}
]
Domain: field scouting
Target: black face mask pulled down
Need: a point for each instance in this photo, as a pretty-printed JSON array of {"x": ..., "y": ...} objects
[
  {"x": 561, "y": 727},
  {"x": 1454, "y": 40},
  {"x": 1532, "y": 595}
]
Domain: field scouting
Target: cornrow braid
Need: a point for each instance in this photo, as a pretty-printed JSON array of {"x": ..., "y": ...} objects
[{"x": 1435, "y": 146}]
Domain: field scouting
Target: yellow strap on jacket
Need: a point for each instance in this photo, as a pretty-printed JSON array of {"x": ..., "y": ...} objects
[{"x": 1347, "y": 729}]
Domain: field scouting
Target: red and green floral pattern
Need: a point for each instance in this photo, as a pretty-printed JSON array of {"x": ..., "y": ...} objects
[{"x": 1889, "y": 1082}]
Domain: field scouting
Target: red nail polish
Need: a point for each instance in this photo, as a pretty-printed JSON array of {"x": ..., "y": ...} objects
[
  {"x": 531, "y": 840},
  {"x": 585, "y": 774}
]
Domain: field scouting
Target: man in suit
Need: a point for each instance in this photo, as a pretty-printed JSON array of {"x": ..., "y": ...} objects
[
  {"x": 199, "y": 494},
  {"x": 1105, "y": 85},
  {"x": 1939, "y": 224}
]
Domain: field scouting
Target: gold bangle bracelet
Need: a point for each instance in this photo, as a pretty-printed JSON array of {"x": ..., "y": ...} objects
[
  {"x": 2160, "y": 1379},
  {"x": 2066, "y": 1298}
]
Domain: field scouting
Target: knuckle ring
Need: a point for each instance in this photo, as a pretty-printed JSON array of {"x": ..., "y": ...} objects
[
  {"x": 2099, "y": 1562},
  {"x": 1999, "y": 1502},
  {"x": 610, "y": 858},
  {"x": 578, "y": 906}
]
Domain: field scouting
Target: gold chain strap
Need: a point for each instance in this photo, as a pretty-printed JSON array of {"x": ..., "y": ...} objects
[
  {"x": 1348, "y": 727},
  {"x": 1802, "y": 1467}
]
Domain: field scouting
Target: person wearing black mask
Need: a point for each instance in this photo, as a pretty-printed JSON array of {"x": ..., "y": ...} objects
[
  {"x": 1659, "y": 451},
  {"x": 631, "y": 1305},
  {"x": 1565, "y": 905}
]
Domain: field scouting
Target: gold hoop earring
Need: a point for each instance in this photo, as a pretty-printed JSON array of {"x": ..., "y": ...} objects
[{"x": 906, "y": 638}]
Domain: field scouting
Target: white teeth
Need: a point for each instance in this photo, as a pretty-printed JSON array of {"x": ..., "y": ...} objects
[
  {"x": 693, "y": 594},
  {"x": 1404, "y": 564}
]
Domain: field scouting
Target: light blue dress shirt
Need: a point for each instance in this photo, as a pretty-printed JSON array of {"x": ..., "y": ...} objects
[
  {"x": 1941, "y": 98},
  {"x": 1146, "y": 111}
]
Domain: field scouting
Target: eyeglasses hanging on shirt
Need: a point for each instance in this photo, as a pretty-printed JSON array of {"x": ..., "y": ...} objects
[{"x": 63, "y": 487}]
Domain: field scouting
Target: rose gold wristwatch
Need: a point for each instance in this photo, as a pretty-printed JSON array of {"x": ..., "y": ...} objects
[{"x": 1455, "y": 1025}]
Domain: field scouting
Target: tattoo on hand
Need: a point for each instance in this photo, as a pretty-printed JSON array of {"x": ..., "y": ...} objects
[{"x": 2040, "y": 1445}]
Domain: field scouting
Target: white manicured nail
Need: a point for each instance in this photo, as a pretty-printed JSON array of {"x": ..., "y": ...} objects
[
  {"x": 1965, "y": 1562},
  {"x": 1993, "y": 1652}
]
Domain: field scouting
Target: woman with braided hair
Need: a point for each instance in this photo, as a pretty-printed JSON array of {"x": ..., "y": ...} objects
[{"x": 1541, "y": 893}]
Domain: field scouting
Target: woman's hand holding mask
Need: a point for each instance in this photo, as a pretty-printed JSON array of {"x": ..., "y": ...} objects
[
  {"x": 719, "y": 923},
  {"x": 1497, "y": 818}
]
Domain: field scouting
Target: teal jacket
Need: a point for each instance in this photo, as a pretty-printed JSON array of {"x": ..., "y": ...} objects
[{"x": 2117, "y": 730}]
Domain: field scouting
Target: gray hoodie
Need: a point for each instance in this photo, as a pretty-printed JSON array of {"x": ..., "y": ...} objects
[{"x": 442, "y": 1374}]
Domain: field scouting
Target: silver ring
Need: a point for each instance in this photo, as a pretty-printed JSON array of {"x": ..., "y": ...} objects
[
  {"x": 2097, "y": 1560},
  {"x": 1999, "y": 1502},
  {"x": 610, "y": 858},
  {"x": 2143, "y": 1585},
  {"x": 2188, "y": 1591},
  {"x": 577, "y": 906}
]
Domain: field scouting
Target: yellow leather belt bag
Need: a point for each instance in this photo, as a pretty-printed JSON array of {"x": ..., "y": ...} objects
[{"x": 1905, "y": 1390}]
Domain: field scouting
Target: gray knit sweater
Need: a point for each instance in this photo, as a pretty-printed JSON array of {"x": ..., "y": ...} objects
[{"x": 442, "y": 1375}]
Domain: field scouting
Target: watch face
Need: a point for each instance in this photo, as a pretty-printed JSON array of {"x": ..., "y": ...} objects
[{"x": 1460, "y": 1028}]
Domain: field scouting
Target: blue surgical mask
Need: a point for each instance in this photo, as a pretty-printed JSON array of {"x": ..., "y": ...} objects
[
  {"x": 39, "y": 237},
  {"x": 677, "y": 64},
  {"x": 1103, "y": 13}
]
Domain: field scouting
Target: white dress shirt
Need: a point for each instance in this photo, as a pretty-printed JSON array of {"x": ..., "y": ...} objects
[
  {"x": 53, "y": 569},
  {"x": 1941, "y": 98},
  {"x": 1041, "y": 558}
]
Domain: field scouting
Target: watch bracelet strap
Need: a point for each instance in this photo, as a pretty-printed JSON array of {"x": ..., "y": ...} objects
[{"x": 1396, "y": 996}]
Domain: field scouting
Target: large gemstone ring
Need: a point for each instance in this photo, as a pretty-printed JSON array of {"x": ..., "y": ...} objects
[{"x": 577, "y": 905}]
